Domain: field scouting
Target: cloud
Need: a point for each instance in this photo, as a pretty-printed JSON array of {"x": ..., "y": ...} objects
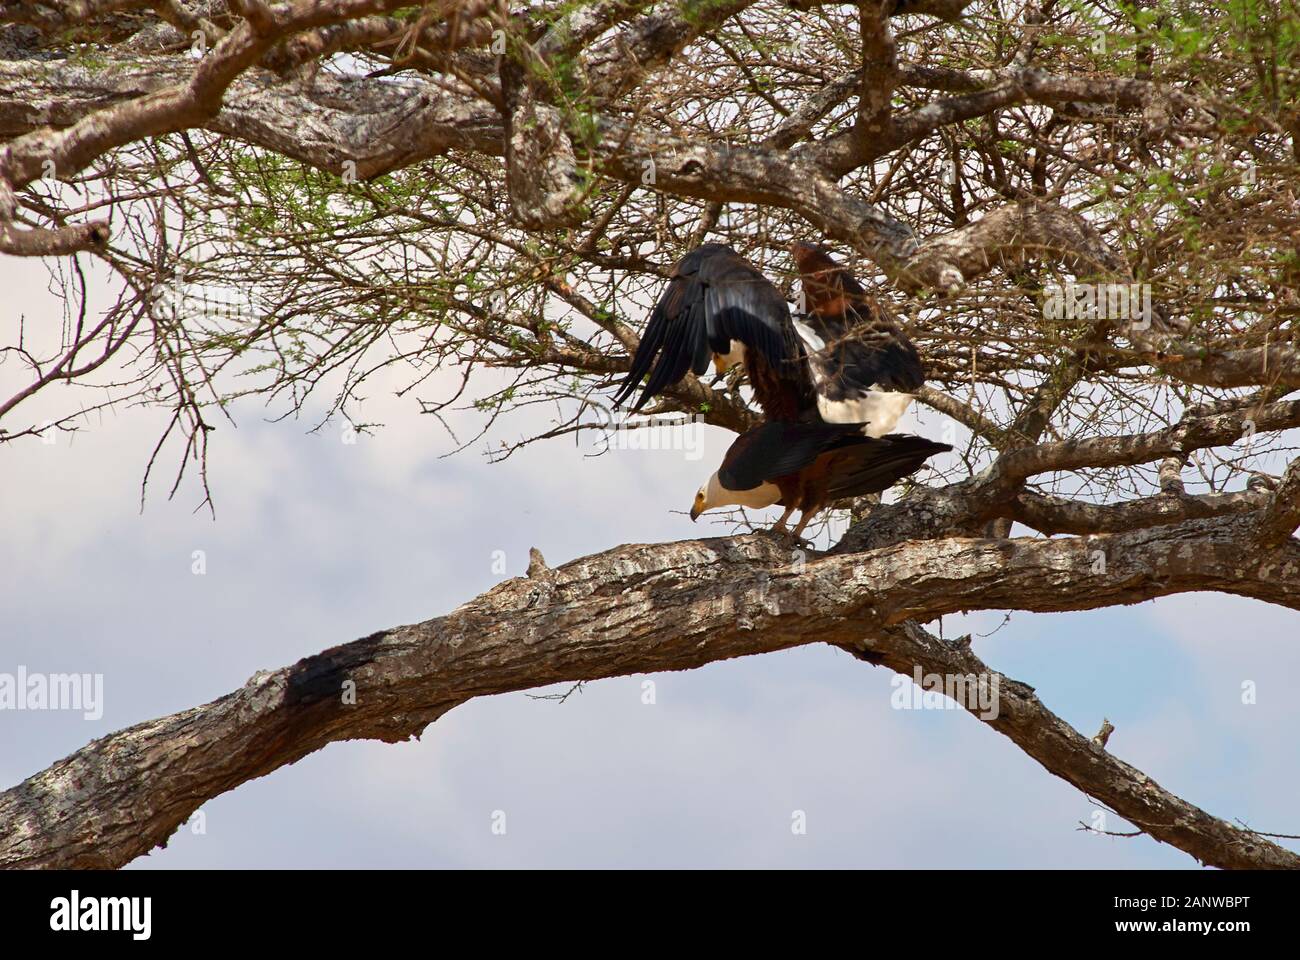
[{"x": 316, "y": 542}]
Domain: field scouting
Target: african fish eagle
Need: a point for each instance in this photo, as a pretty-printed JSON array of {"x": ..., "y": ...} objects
[
  {"x": 864, "y": 368},
  {"x": 843, "y": 362},
  {"x": 806, "y": 466}
]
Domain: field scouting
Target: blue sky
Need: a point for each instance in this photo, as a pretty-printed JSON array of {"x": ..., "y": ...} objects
[{"x": 316, "y": 542}]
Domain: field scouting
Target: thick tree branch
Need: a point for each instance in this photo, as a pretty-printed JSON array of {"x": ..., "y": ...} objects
[
  {"x": 632, "y": 610},
  {"x": 43, "y": 242},
  {"x": 1085, "y": 763},
  {"x": 1191, "y": 433},
  {"x": 1281, "y": 516},
  {"x": 962, "y": 508},
  {"x": 1007, "y": 237},
  {"x": 1051, "y": 514}
]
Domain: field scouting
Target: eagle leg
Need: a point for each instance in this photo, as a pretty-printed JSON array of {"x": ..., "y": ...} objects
[
  {"x": 803, "y": 521},
  {"x": 793, "y": 537},
  {"x": 779, "y": 528}
]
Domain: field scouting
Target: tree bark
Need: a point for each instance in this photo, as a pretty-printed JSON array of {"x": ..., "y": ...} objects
[{"x": 639, "y": 609}]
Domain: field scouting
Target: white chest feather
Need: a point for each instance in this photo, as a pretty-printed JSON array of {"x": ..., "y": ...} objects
[
  {"x": 879, "y": 409},
  {"x": 763, "y": 495}
]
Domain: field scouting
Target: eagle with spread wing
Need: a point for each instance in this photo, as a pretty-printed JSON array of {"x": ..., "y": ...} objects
[
  {"x": 832, "y": 384},
  {"x": 845, "y": 361},
  {"x": 719, "y": 306}
]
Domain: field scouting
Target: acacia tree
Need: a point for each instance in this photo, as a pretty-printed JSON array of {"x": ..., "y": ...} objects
[{"x": 290, "y": 198}]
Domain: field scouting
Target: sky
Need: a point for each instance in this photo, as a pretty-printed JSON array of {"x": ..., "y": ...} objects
[{"x": 317, "y": 541}]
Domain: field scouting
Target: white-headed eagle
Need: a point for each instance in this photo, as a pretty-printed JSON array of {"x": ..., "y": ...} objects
[
  {"x": 717, "y": 305},
  {"x": 806, "y": 466},
  {"x": 863, "y": 367},
  {"x": 845, "y": 361},
  {"x": 831, "y": 385}
]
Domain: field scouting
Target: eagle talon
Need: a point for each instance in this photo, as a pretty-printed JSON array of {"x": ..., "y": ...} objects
[{"x": 780, "y": 532}]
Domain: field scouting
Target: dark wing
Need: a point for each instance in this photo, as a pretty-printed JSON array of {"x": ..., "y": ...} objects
[
  {"x": 863, "y": 465},
  {"x": 777, "y": 448},
  {"x": 855, "y": 345},
  {"x": 714, "y": 297},
  {"x": 878, "y": 352}
]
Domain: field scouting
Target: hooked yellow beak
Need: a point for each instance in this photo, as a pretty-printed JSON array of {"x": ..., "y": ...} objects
[{"x": 697, "y": 507}]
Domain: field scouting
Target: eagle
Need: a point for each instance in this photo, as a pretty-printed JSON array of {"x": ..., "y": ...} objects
[
  {"x": 864, "y": 368},
  {"x": 832, "y": 383},
  {"x": 718, "y": 305},
  {"x": 806, "y": 466},
  {"x": 845, "y": 361}
]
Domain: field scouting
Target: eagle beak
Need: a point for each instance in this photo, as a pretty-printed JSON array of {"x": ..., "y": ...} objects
[{"x": 695, "y": 513}]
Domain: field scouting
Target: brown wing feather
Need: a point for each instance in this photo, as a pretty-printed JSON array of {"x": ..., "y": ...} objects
[
  {"x": 782, "y": 397},
  {"x": 864, "y": 347}
]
